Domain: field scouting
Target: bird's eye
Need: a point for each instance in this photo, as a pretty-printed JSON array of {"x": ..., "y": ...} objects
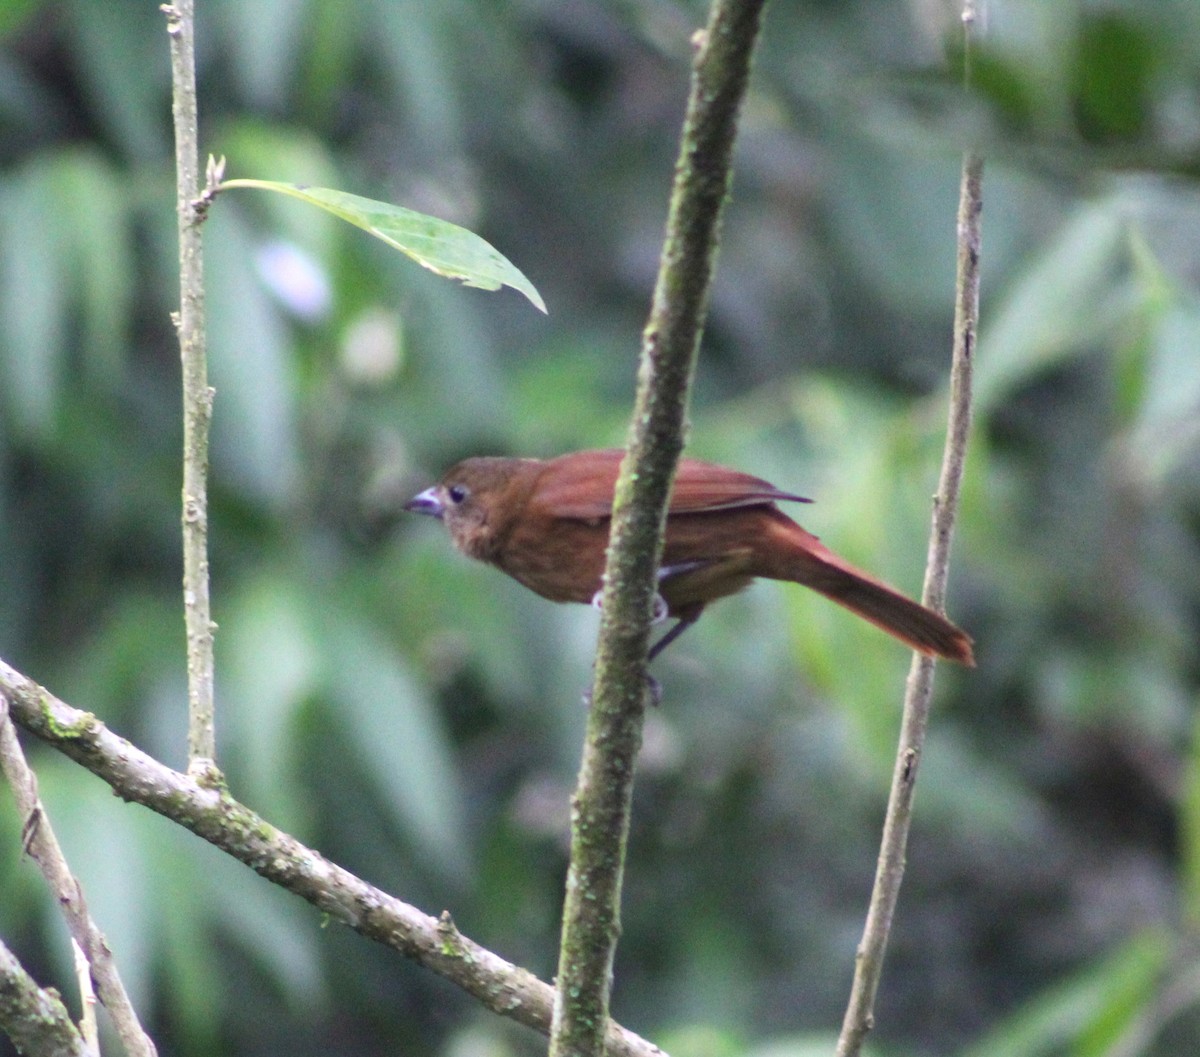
[{"x": 457, "y": 493}]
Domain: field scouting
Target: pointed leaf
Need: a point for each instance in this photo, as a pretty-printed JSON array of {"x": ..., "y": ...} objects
[{"x": 438, "y": 245}]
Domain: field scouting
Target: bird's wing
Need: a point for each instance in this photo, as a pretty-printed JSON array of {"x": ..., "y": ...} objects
[
  {"x": 580, "y": 486},
  {"x": 702, "y": 486}
]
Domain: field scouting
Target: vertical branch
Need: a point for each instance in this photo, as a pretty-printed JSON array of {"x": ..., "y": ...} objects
[
  {"x": 197, "y": 396},
  {"x": 600, "y": 806},
  {"x": 889, "y": 874}
]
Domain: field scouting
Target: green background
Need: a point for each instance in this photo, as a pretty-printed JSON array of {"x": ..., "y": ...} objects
[{"x": 418, "y": 718}]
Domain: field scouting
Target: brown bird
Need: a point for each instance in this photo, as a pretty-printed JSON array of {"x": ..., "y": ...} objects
[{"x": 546, "y": 524}]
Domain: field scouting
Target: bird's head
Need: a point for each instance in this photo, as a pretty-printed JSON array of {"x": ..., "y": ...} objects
[{"x": 475, "y": 498}]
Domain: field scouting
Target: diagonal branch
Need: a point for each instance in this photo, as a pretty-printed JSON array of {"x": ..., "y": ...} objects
[
  {"x": 43, "y": 847},
  {"x": 36, "y": 1020},
  {"x": 211, "y": 813},
  {"x": 670, "y": 343}
]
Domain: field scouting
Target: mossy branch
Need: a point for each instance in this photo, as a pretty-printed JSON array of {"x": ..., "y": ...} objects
[
  {"x": 35, "y": 1019},
  {"x": 206, "y": 808},
  {"x": 600, "y": 806}
]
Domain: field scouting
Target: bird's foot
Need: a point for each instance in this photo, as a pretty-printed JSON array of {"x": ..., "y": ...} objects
[
  {"x": 661, "y": 610},
  {"x": 655, "y": 689},
  {"x": 660, "y": 613}
]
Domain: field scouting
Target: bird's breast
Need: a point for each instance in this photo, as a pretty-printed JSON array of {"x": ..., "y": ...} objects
[{"x": 561, "y": 559}]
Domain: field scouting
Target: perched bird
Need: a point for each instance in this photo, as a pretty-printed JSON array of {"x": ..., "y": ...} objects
[{"x": 545, "y": 522}]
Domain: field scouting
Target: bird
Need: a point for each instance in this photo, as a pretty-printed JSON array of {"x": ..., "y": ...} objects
[{"x": 545, "y": 522}]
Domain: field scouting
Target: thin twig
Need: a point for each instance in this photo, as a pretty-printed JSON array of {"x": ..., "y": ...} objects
[
  {"x": 197, "y": 396},
  {"x": 859, "y": 1018},
  {"x": 211, "y": 813},
  {"x": 35, "y": 1019},
  {"x": 43, "y": 848},
  {"x": 88, "y": 1027},
  {"x": 600, "y": 807}
]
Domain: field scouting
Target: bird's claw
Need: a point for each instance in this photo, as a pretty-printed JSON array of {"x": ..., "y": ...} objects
[
  {"x": 661, "y": 610},
  {"x": 655, "y": 689},
  {"x": 660, "y": 613}
]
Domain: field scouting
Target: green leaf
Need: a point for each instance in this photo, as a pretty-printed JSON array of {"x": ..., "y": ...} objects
[
  {"x": 395, "y": 725},
  {"x": 444, "y": 248},
  {"x": 812, "y": 1044},
  {"x": 34, "y": 303},
  {"x": 119, "y": 68},
  {"x": 275, "y": 932},
  {"x": 14, "y": 12},
  {"x": 1066, "y": 303},
  {"x": 91, "y": 200},
  {"x": 250, "y": 359},
  {"x": 1113, "y": 72},
  {"x": 267, "y": 616},
  {"x": 1086, "y": 1014}
]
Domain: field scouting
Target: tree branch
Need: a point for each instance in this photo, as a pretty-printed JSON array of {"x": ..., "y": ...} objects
[
  {"x": 670, "y": 342},
  {"x": 207, "y": 809},
  {"x": 43, "y": 847},
  {"x": 889, "y": 874},
  {"x": 197, "y": 396},
  {"x": 36, "y": 1020}
]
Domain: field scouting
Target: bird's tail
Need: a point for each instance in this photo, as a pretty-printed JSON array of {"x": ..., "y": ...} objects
[{"x": 814, "y": 565}]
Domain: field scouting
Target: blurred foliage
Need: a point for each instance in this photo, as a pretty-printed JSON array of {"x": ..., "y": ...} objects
[{"x": 418, "y": 718}]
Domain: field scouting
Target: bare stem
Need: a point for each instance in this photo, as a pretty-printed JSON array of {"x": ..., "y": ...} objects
[
  {"x": 197, "y": 396},
  {"x": 600, "y": 806},
  {"x": 859, "y": 1017},
  {"x": 44, "y": 849},
  {"x": 88, "y": 1027}
]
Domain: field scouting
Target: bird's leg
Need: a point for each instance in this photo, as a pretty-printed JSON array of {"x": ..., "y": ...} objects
[
  {"x": 662, "y": 610},
  {"x": 654, "y": 689},
  {"x": 687, "y": 617},
  {"x": 680, "y": 627}
]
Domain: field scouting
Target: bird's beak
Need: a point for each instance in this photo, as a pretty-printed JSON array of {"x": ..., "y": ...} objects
[{"x": 426, "y": 503}]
